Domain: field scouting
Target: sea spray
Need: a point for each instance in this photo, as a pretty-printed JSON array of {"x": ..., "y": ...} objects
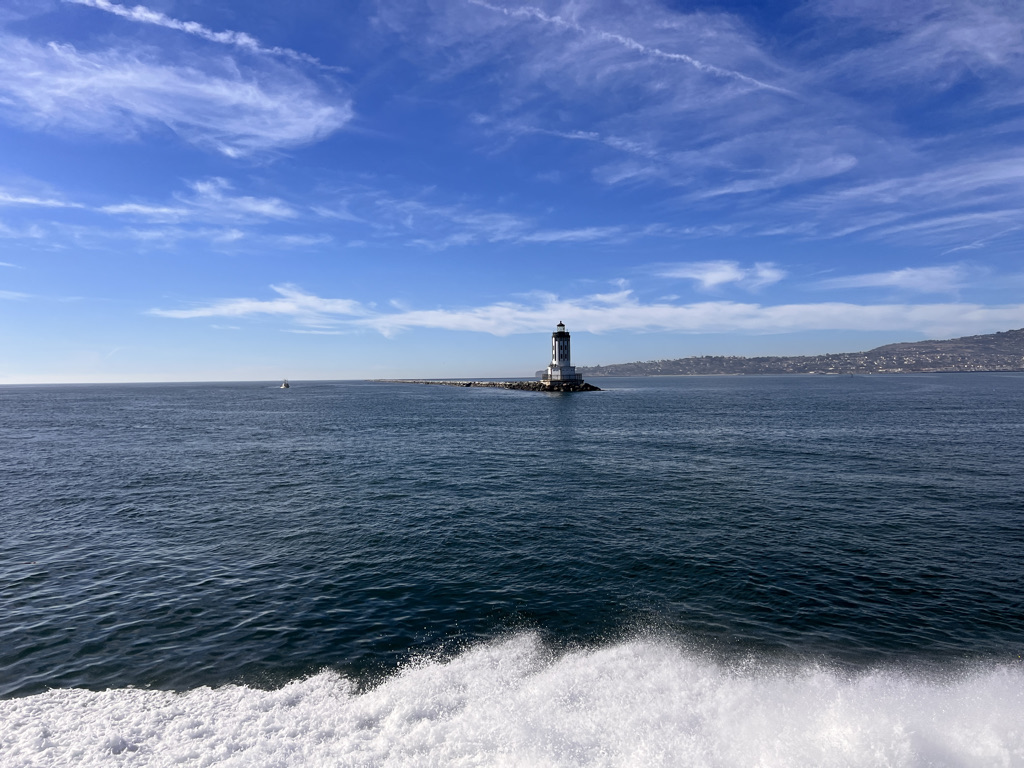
[{"x": 512, "y": 703}]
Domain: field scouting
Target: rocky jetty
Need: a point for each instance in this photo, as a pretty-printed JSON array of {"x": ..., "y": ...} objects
[{"x": 528, "y": 386}]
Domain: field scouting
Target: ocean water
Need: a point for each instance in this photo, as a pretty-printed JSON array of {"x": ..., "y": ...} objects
[{"x": 717, "y": 571}]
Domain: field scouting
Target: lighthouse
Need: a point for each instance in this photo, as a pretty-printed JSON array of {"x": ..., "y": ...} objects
[{"x": 561, "y": 369}]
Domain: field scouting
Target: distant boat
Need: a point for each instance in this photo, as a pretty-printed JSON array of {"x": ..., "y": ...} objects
[{"x": 284, "y": 384}]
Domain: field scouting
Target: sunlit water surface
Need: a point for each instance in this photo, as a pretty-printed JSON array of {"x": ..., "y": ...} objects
[{"x": 708, "y": 571}]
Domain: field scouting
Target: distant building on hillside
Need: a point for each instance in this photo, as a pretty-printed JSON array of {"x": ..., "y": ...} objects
[{"x": 560, "y": 368}]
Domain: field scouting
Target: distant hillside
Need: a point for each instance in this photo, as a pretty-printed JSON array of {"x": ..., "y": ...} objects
[{"x": 1002, "y": 351}]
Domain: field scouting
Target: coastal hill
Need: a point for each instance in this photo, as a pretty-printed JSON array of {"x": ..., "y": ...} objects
[{"x": 1002, "y": 351}]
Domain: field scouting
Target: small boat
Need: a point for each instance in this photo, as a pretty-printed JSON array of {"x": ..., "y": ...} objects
[{"x": 284, "y": 384}]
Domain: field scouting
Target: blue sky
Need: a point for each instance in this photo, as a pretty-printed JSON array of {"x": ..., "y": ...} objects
[{"x": 250, "y": 190}]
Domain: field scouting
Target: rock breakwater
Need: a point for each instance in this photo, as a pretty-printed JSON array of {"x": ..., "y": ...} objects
[{"x": 528, "y": 386}]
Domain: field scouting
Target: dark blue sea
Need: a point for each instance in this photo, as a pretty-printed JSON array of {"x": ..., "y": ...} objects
[{"x": 706, "y": 571}]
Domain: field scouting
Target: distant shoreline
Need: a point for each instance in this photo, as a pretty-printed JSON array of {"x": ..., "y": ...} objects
[{"x": 1001, "y": 352}]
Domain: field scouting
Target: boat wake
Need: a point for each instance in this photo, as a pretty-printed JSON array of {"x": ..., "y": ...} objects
[{"x": 513, "y": 702}]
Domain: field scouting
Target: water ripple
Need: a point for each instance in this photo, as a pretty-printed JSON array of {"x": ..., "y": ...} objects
[{"x": 180, "y": 535}]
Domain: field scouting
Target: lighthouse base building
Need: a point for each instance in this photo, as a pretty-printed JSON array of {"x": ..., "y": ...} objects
[{"x": 560, "y": 368}]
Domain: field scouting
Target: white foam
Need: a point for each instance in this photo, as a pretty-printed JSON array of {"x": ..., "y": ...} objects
[{"x": 510, "y": 703}]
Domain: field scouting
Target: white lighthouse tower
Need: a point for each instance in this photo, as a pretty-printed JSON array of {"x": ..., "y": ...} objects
[{"x": 560, "y": 368}]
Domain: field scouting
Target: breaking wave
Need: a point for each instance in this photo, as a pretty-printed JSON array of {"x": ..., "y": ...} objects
[{"x": 515, "y": 703}]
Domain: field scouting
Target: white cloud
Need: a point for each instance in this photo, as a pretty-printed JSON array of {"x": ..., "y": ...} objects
[
  {"x": 31, "y": 232},
  {"x": 210, "y": 200},
  {"x": 984, "y": 241},
  {"x": 338, "y": 211},
  {"x": 308, "y": 332},
  {"x": 158, "y": 235},
  {"x": 119, "y": 94},
  {"x": 228, "y": 236},
  {"x": 956, "y": 203},
  {"x": 471, "y": 225},
  {"x": 9, "y": 198},
  {"x": 799, "y": 171},
  {"x": 628, "y": 314},
  {"x": 625, "y": 82},
  {"x": 438, "y": 226},
  {"x": 931, "y": 44},
  {"x": 304, "y": 240},
  {"x": 582, "y": 235},
  {"x": 213, "y": 196},
  {"x": 293, "y": 302},
  {"x": 144, "y": 15},
  {"x": 712, "y": 274},
  {"x": 765, "y": 273},
  {"x": 621, "y": 311},
  {"x": 152, "y": 212},
  {"x": 921, "y": 279},
  {"x": 13, "y": 295},
  {"x": 629, "y": 43},
  {"x": 665, "y": 87}
]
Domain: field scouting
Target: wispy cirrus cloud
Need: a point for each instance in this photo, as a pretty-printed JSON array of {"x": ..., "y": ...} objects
[
  {"x": 168, "y": 236},
  {"x": 291, "y": 302},
  {"x": 148, "y": 212},
  {"x": 304, "y": 240},
  {"x": 206, "y": 201},
  {"x": 144, "y": 15},
  {"x": 439, "y": 225},
  {"x": 120, "y": 93},
  {"x": 13, "y": 199},
  {"x": 602, "y": 72},
  {"x": 623, "y": 90},
  {"x": 807, "y": 169},
  {"x": 628, "y": 43},
  {"x": 620, "y": 311},
  {"x": 948, "y": 279},
  {"x": 151, "y": 233},
  {"x": 518, "y": 128},
  {"x": 581, "y": 235},
  {"x": 434, "y": 223},
  {"x": 32, "y": 232},
  {"x": 712, "y": 274},
  {"x": 984, "y": 241},
  {"x": 974, "y": 199},
  {"x": 932, "y": 44},
  {"x": 215, "y": 195}
]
